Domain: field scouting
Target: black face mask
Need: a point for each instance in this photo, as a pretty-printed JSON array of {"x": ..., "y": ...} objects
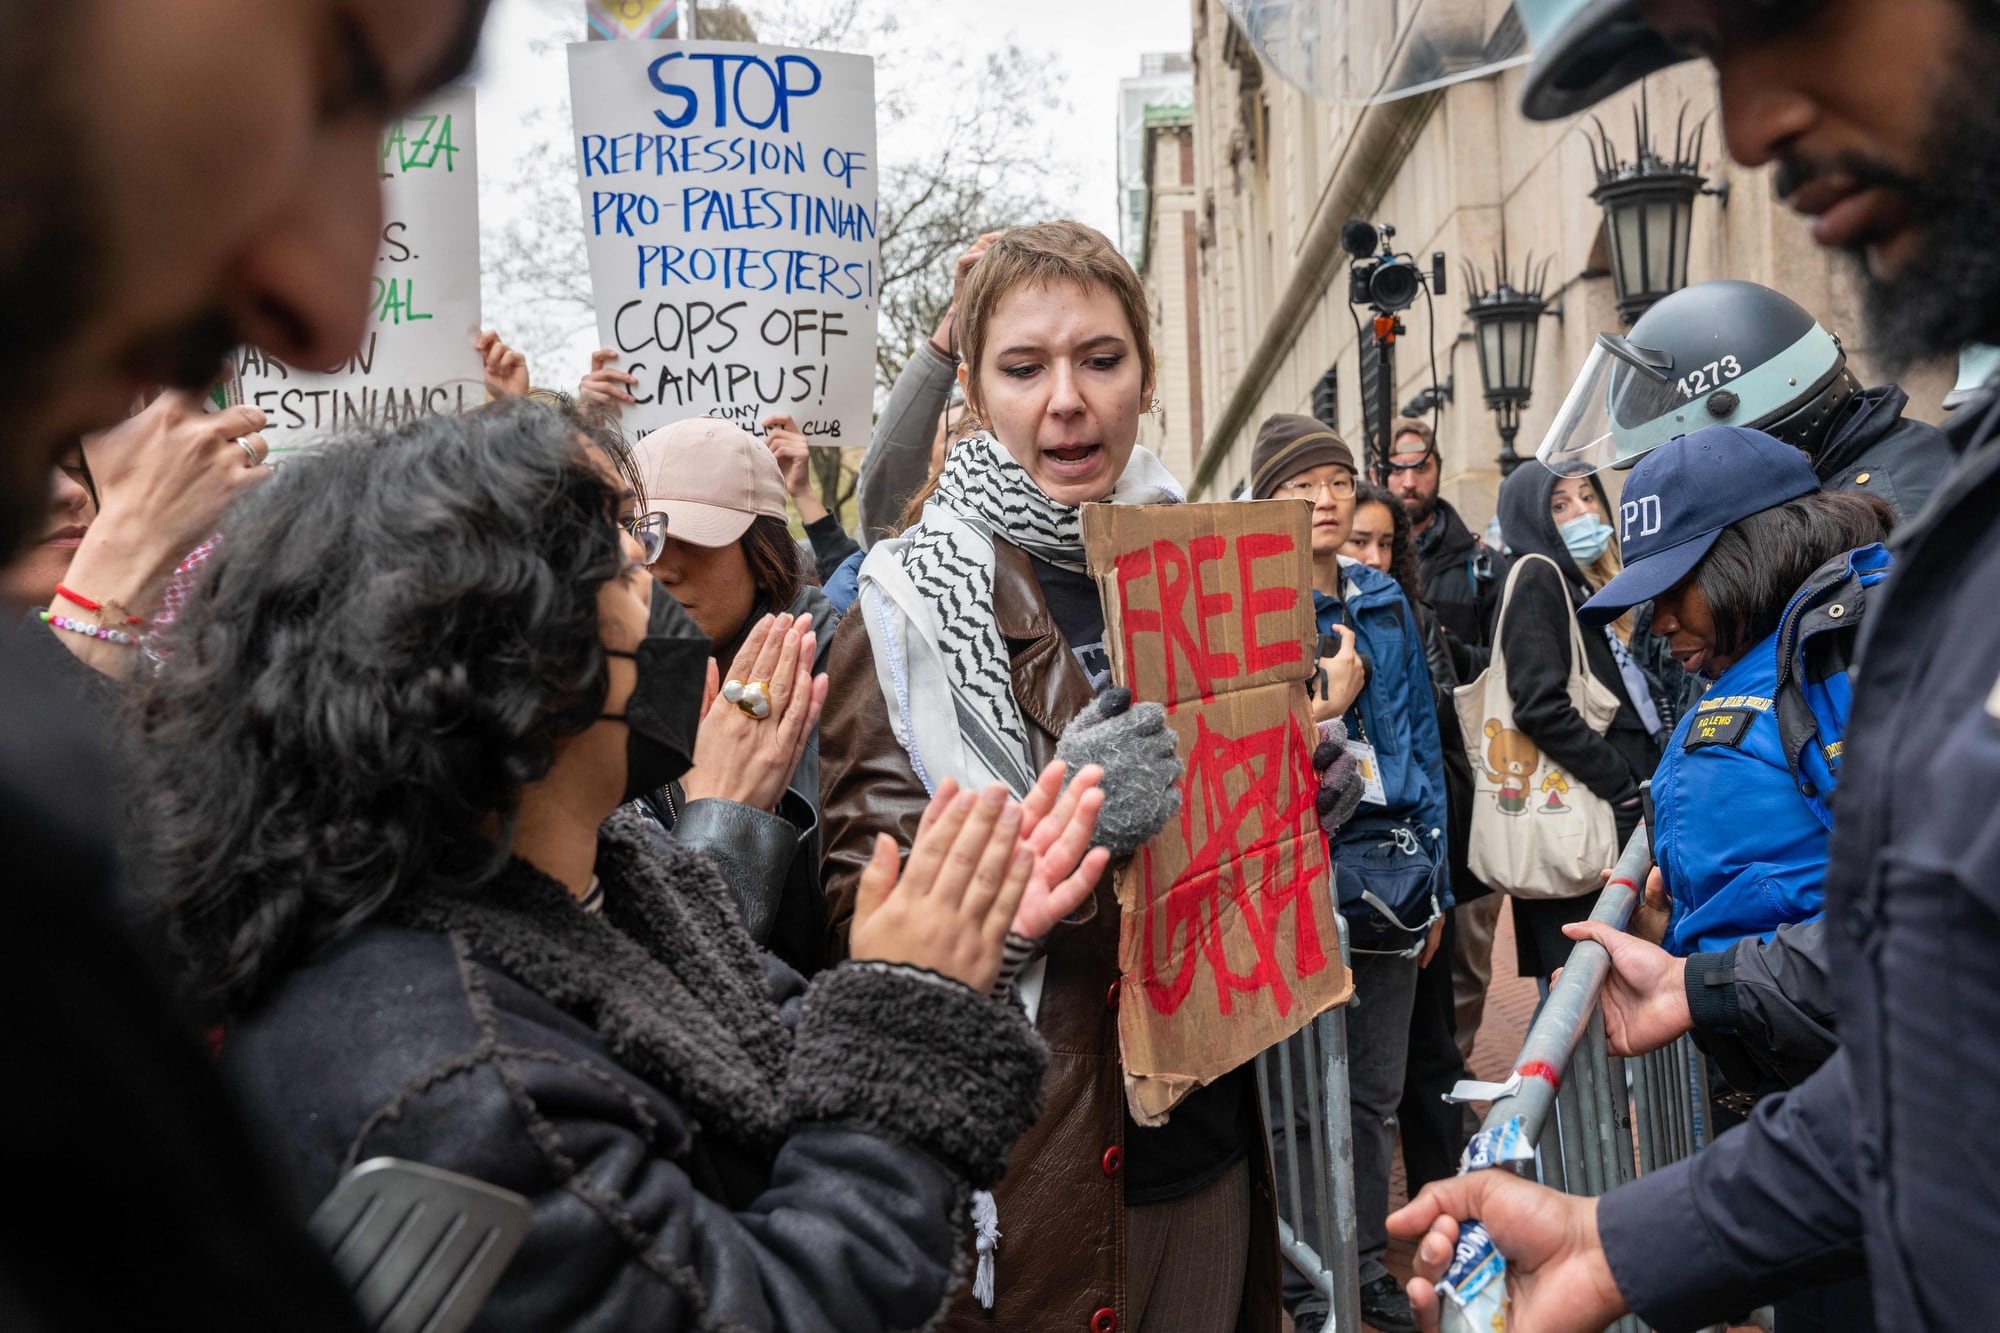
[{"x": 664, "y": 709}]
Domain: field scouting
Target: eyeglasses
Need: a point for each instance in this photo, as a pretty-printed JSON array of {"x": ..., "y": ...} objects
[
  {"x": 650, "y": 531},
  {"x": 1417, "y": 466},
  {"x": 1307, "y": 489}
]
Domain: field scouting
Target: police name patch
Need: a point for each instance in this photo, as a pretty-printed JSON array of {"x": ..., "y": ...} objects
[{"x": 1721, "y": 726}]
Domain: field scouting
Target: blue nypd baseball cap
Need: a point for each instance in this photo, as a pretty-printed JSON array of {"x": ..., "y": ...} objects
[{"x": 1680, "y": 497}]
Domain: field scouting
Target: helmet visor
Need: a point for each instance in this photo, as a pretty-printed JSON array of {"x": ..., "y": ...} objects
[{"x": 1621, "y": 388}]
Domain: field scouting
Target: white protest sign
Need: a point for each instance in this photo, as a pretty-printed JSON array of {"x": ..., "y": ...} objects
[
  {"x": 729, "y": 209},
  {"x": 416, "y": 358}
]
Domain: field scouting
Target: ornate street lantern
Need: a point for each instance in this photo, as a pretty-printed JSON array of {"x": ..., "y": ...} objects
[
  {"x": 1648, "y": 206},
  {"x": 1506, "y": 321}
]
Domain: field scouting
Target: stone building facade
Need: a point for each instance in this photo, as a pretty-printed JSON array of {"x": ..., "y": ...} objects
[
  {"x": 1168, "y": 260},
  {"x": 1456, "y": 169}
]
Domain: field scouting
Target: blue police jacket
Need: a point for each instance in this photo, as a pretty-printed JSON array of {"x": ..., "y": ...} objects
[
  {"x": 1880, "y": 1157},
  {"x": 1741, "y": 795},
  {"x": 1396, "y": 712}
]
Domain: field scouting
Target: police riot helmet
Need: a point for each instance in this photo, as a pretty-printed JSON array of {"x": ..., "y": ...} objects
[
  {"x": 1724, "y": 353},
  {"x": 1586, "y": 50}
]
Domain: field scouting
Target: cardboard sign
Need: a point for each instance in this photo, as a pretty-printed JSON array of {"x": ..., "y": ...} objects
[
  {"x": 729, "y": 211},
  {"x": 416, "y": 358},
  {"x": 1228, "y": 942}
]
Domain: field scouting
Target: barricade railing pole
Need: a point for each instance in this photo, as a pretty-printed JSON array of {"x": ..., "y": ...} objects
[
  {"x": 1344, "y": 1265},
  {"x": 1294, "y": 1150},
  {"x": 1542, "y": 1070},
  {"x": 1308, "y": 1099},
  {"x": 1557, "y": 1028},
  {"x": 1313, "y": 1068},
  {"x": 1642, "y": 1101}
]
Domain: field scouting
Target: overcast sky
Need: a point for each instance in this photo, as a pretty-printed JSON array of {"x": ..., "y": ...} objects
[{"x": 1091, "y": 45}]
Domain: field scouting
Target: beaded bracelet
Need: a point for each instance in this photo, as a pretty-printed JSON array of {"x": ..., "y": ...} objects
[{"x": 118, "y": 636}]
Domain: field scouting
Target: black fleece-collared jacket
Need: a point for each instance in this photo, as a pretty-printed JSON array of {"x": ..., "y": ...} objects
[{"x": 707, "y": 1142}]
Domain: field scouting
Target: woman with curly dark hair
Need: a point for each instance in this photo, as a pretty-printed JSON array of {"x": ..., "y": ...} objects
[
  {"x": 1434, "y": 1131},
  {"x": 409, "y": 692}
]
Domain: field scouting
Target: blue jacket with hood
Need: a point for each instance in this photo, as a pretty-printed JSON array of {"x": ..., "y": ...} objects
[
  {"x": 1395, "y": 712},
  {"x": 1741, "y": 797}
]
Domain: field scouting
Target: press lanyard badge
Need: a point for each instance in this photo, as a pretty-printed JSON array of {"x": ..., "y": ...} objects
[{"x": 1372, "y": 792}]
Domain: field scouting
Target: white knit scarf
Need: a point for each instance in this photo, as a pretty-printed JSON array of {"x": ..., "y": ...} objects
[{"x": 927, "y": 600}]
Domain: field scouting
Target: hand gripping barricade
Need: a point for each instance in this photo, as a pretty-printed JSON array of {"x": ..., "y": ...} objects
[{"x": 1613, "y": 1119}]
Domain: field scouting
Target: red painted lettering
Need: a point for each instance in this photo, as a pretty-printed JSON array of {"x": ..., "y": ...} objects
[
  {"x": 1172, "y": 564},
  {"x": 1248, "y": 818},
  {"x": 1133, "y": 566},
  {"x": 1207, "y": 606},
  {"x": 1250, "y": 548}
]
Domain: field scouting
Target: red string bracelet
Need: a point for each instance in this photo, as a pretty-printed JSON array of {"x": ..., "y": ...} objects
[{"x": 87, "y": 604}]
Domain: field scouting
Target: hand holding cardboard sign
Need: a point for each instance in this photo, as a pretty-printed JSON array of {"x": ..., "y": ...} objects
[{"x": 1134, "y": 743}]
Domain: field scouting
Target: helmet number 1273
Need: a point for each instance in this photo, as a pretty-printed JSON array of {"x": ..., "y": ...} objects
[{"x": 1711, "y": 376}]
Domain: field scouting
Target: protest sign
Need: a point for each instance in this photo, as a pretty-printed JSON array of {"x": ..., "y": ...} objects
[
  {"x": 416, "y": 358},
  {"x": 1228, "y": 942},
  {"x": 729, "y": 210}
]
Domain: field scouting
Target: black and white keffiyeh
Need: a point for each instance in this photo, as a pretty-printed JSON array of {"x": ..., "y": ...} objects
[
  {"x": 927, "y": 597},
  {"x": 927, "y": 600}
]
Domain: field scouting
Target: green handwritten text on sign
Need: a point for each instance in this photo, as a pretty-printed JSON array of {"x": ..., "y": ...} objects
[{"x": 418, "y": 143}]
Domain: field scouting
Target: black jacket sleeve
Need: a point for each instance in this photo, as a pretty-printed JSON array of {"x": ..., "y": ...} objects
[
  {"x": 831, "y": 545},
  {"x": 1535, "y": 641},
  {"x": 754, "y": 849},
  {"x": 1763, "y": 1211},
  {"x": 904, "y": 1093},
  {"x": 1768, "y": 1003}
]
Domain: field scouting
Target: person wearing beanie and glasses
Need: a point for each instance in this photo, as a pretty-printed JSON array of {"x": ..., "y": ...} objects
[
  {"x": 1376, "y": 687},
  {"x": 714, "y": 531}
]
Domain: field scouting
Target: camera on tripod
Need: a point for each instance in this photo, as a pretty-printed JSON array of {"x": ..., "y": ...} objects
[
  {"x": 1388, "y": 283},
  {"x": 1380, "y": 278}
]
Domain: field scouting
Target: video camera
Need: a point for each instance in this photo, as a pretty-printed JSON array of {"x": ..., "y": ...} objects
[{"x": 1380, "y": 278}]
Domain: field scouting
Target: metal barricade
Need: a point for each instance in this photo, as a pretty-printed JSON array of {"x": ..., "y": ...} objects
[
  {"x": 1315, "y": 1186},
  {"x": 1597, "y": 1120}
]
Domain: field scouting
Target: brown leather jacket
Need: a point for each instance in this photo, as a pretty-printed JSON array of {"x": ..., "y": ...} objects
[{"x": 1061, "y": 1262}]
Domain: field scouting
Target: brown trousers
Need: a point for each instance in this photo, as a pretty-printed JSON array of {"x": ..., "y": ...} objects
[{"x": 1185, "y": 1260}]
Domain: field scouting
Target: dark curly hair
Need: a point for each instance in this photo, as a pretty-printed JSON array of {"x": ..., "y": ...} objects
[
  {"x": 385, "y": 647},
  {"x": 1403, "y": 565}
]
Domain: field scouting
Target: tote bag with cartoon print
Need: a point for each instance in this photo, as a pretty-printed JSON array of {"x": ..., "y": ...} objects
[{"x": 1536, "y": 831}]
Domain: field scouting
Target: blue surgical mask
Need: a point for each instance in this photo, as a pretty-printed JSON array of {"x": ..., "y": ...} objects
[{"x": 1585, "y": 537}]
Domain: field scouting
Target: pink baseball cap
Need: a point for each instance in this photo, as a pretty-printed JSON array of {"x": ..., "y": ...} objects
[{"x": 711, "y": 479}]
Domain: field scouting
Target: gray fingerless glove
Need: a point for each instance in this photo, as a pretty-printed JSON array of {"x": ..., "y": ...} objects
[
  {"x": 1340, "y": 784},
  {"x": 1142, "y": 771}
]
